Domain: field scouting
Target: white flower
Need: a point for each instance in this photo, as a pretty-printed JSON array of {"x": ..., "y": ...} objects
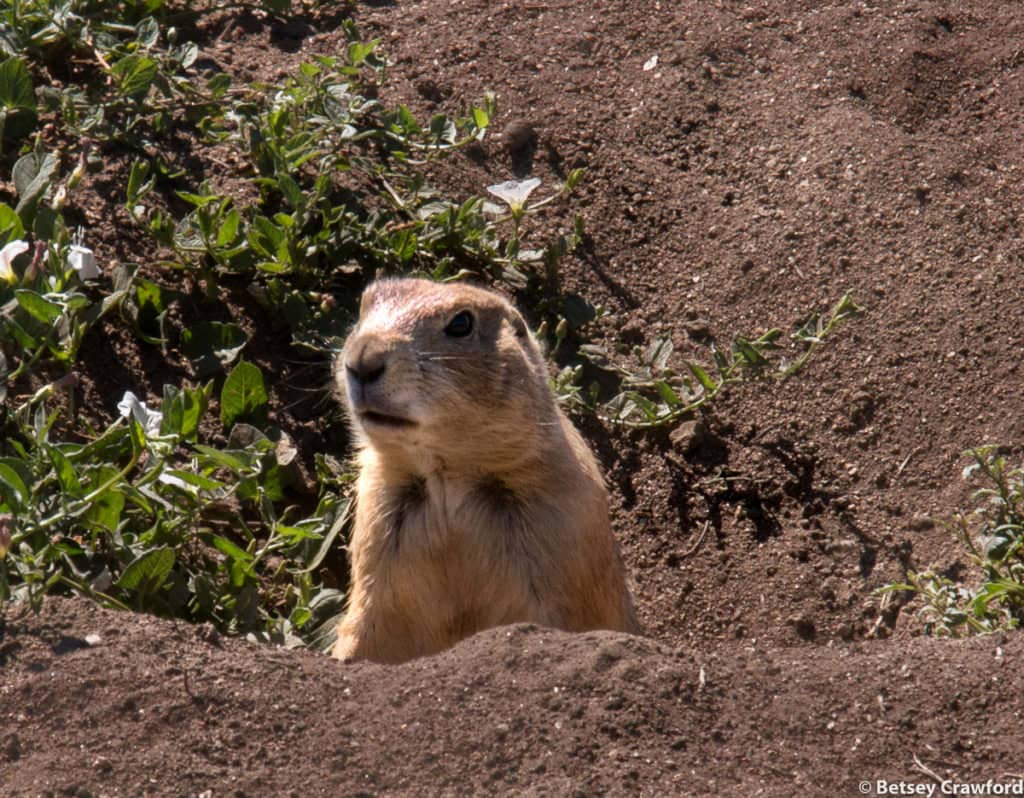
[
  {"x": 515, "y": 192},
  {"x": 10, "y": 251},
  {"x": 83, "y": 261},
  {"x": 173, "y": 481},
  {"x": 149, "y": 419},
  {"x": 493, "y": 208}
]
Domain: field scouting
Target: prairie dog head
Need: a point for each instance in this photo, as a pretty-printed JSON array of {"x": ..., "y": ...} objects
[{"x": 445, "y": 376}]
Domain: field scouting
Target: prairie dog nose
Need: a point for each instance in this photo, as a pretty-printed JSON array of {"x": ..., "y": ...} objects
[{"x": 366, "y": 362}]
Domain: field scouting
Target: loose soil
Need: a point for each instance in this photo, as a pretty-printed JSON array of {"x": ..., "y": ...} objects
[{"x": 747, "y": 163}]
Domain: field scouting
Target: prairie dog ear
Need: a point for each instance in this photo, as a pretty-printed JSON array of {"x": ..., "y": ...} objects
[
  {"x": 366, "y": 300},
  {"x": 518, "y": 323}
]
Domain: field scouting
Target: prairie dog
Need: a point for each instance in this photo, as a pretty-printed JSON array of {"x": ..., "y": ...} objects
[{"x": 478, "y": 503}]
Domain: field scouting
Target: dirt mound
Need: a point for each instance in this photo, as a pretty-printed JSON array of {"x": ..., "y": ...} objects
[
  {"x": 99, "y": 703},
  {"x": 747, "y": 163}
]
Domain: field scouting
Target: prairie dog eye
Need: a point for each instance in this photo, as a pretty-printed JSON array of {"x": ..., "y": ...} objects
[{"x": 460, "y": 326}]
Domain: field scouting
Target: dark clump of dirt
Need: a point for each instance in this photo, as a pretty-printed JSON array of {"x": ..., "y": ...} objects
[{"x": 747, "y": 163}]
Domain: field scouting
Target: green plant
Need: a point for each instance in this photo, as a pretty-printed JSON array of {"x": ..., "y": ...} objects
[
  {"x": 149, "y": 516},
  {"x": 337, "y": 186},
  {"x": 46, "y": 306},
  {"x": 992, "y": 535},
  {"x": 654, "y": 395},
  {"x": 18, "y": 112}
]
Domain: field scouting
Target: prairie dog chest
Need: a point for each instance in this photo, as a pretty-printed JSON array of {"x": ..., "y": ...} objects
[
  {"x": 444, "y": 518},
  {"x": 464, "y": 512}
]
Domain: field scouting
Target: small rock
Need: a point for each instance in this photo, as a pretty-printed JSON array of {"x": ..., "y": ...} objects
[
  {"x": 616, "y": 702},
  {"x": 208, "y": 633},
  {"x": 632, "y": 332},
  {"x": 10, "y": 747},
  {"x": 93, "y": 640},
  {"x": 102, "y": 765},
  {"x": 841, "y": 503},
  {"x": 689, "y": 435},
  {"x": 803, "y": 626},
  {"x": 518, "y": 136},
  {"x": 698, "y": 329}
]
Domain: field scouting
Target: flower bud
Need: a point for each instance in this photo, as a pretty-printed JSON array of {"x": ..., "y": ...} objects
[{"x": 6, "y": 522}]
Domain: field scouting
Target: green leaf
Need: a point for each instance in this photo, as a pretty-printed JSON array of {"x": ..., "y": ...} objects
[
  {"x": 292, "y": 192},
  {"x": 706, "y": 382},
  {"x": 275, "y": 481},
  {"x": 17, "y": 99},
  {"x": 443, "y": 129},
  {"x": 149, "y": 310},
  {"x": 137, "y": 435},
  {"x": 749, "y": 353},
  {"x": 11, "y": 227},
  {"x": 231, "y": 550},
  {"x": 218, "y": 85},
  {"x": 228, "y": 231},
  {"x": 139, "y": 183},
  {"x": 65, "y": 472},
  {"x": 105, "y": 510},
  {"x": 184, "y": 409},
  {"x": 342, "y": 518},
  {"x": 300, "y": 617},
  {"x": 147, "y": 32},
  {"x": 358, "y": 51},
  {"x": 187, "y": 54},
  {"x": 148, "y": 572},
  {"x": 238, "y": 572},
  {"x": 199, "y": 200},
  {"x": 151, "y": 295},
  {"x": 574, "y": 178},
  {"x": 13, "y": 492},
  {"x": 407, "y": 122},
  {"x": 273, "y": 267},
  {"x": 32, "y": 176},
  {"x": 19, "y": 334},
  {"x": 646, "y": 406},
  {"x": 16, "y": 84},
  {"x": 404, "y": 244},
  {"x": 265, "y": 237},
  {"x": 480, "y": 117},
  {"x": 846, "y": 307},
  {"x": 658, "y": 353},
  {"x": 37, "y": 307},
  {"x": 135, "y": 74},
  {"x": 211, "y": 345},
  {"x": 667, "y": 394},
  {"x": 235, "y": 462},
  {"x": 244, "y": 395}
]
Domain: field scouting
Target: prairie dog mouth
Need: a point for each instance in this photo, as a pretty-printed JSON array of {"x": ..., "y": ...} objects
[{"x": 383, "y": 420}]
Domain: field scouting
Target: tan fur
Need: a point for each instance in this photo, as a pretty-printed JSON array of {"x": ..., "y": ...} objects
[{"x": 486, "y": 507}]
